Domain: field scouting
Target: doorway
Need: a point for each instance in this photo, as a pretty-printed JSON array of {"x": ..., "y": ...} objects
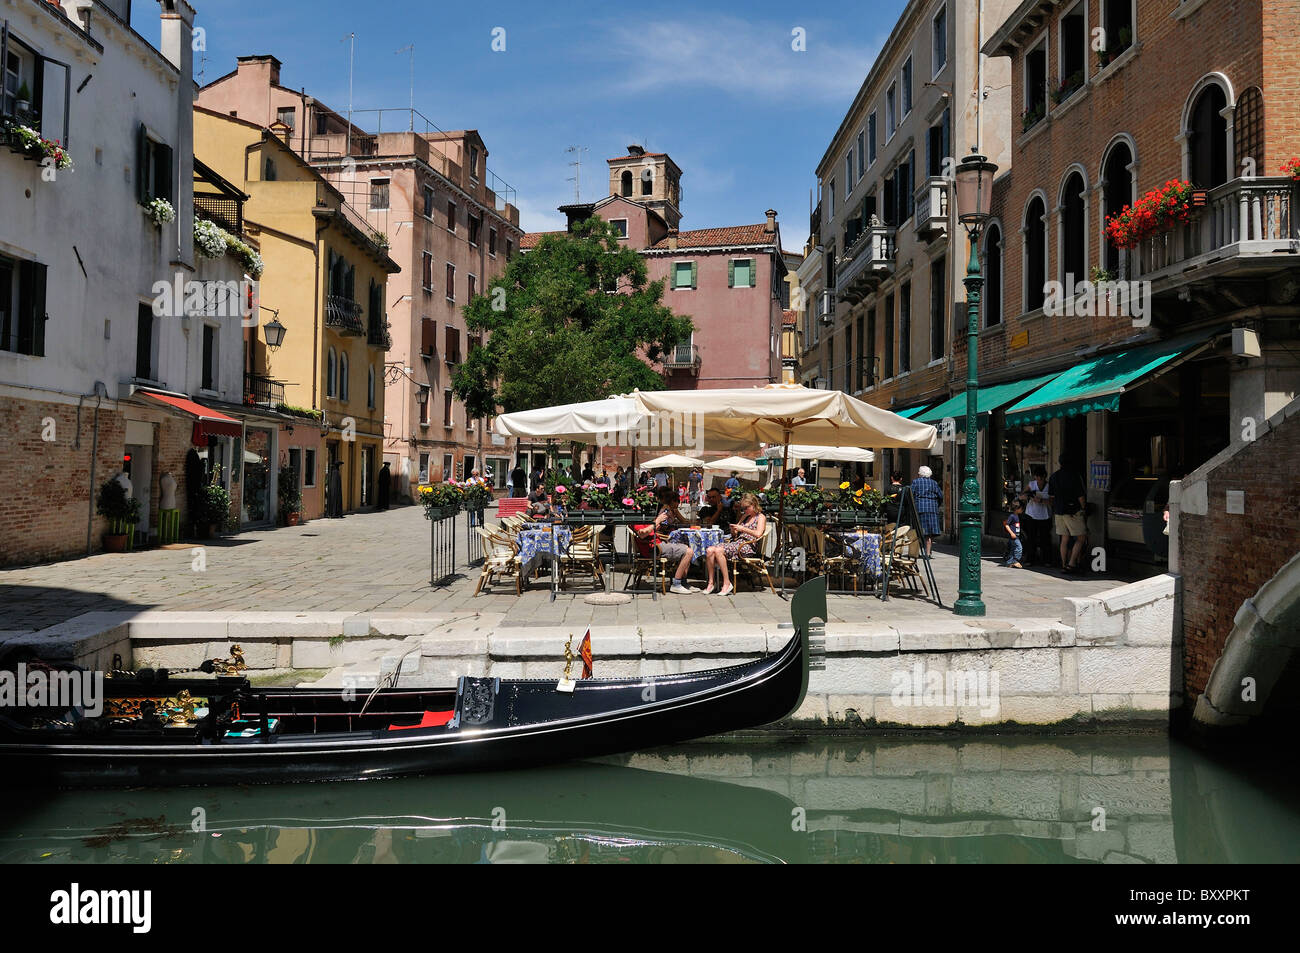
[
  {"x": 256, "y": 502},
  {"x": 137, "y": 463}
]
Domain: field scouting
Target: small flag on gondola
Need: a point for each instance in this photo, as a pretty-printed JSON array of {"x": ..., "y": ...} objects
[{"x": 585, "y": 651}]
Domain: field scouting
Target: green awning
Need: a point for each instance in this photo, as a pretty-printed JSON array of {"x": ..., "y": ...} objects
[
  {"x": 1097, "y": 384},
  {"x": 990, "y": 399},
  {"x": 913, "y": 411}
]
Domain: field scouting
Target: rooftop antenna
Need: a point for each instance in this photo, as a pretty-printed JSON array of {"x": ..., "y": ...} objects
[
  {"x": 576, "y": 178},
  {"x": 410, "y": 48},
  {"x": 352, "y": 38}
]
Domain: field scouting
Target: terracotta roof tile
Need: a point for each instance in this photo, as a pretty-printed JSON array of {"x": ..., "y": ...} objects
[
  {"x": 530, "y": 239},
  {"x": 790, "y": 319},
  {"x": 715, "y": 237}
]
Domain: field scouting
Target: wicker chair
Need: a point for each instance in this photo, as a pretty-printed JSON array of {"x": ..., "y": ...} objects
[
  {"x": 753, "y": 565},
  {"x": 644, "y": 560},
  {"x": 903, "y": 548},
  {"x": 500, "y": 557},
  {"x": 583, "y": 555},
  {"x": 843, "y": 563}
]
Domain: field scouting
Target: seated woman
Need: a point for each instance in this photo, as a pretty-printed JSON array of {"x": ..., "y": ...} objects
[
  {"x": 669, "y": 519},
  {"x": 745, "y": 535}
]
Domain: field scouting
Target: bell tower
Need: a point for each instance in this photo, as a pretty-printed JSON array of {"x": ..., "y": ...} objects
[{"x": 651, "y": 178}]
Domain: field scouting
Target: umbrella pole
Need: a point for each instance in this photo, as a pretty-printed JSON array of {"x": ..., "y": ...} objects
[{"x": 780, "y": 507}]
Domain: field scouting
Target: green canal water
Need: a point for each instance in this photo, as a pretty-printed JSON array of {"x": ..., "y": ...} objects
[{"x": 971, "y": 799}]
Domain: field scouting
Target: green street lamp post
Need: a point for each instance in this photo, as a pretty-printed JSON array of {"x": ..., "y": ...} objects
[{"x": 974, "y": 200}]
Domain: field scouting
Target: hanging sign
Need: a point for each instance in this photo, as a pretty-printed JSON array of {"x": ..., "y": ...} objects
[{"x": 1099, "y": 475}]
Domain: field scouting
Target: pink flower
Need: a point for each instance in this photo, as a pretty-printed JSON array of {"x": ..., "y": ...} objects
[
  {"x": 627, "y": 501},
  {"x": 602, "y": 486},
  {"x": 560, "y": 489}
]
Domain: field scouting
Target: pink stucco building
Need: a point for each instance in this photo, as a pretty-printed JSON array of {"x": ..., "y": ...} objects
[{"x": 730, "y": 280}]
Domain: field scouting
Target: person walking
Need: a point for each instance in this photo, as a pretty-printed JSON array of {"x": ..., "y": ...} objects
[
  {"x": 385, "y": 487},
  {"x": 894, "y": 498},
  {"x": 1070, "y": 507},
  {"x": 1038, "y": 519},
  {"x": 928, "y": 496},
  {"x": 519, "y": 480},
  {"x": 1012, "y": 525}
]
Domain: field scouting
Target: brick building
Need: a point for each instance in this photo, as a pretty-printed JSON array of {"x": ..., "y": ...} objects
[{"x": 1145, "y": 378}]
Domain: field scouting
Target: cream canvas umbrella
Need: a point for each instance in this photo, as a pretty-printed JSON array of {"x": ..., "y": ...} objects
[
  {"x": 780, "y": 413},
  {"x": 739, "y": 464},
  {"x": 614, "y": 421},
  {"x": 803, "y": 451},
  {"x": 672, "y": 461}
]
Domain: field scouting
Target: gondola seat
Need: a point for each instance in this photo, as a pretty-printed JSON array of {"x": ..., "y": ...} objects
[{"x": 431, "y": 719}]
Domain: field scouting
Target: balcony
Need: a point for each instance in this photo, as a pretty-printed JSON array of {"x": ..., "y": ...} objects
[
  {"x": 683, "y": 357},
  {"x": 343, "y": 315},
  {"x": 868, "y": 262},
  {"x": 377, "y": 335},
  {"x": 263, "y": 390},
  {"x": 932, "y": 208}
]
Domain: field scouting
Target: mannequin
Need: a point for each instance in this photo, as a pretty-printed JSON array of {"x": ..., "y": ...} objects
[{"x": 167, "y": 491}]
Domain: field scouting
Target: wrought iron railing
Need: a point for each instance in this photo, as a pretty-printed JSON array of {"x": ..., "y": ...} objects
[
  {"x": 227, "y": 213},
  {"x": 344, "y": 315},
  {"x": 378, "y": 335},
  {"x": 263, "y": 390},
  {"x": 683, "y": 355}
]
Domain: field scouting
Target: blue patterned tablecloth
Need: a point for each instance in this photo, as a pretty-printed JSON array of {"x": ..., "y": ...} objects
[
  {"x": 698, "y": 539},
  {"x": 866, "y": 546},
  {"x": 535, "y": 544}
]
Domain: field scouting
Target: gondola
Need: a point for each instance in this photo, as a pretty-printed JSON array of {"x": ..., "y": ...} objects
[{"x": 199, "y": 730}]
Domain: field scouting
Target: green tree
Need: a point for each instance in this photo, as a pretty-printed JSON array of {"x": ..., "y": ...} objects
[{"x": 556, "y": 336}]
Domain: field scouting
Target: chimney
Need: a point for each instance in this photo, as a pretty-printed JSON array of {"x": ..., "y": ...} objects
[
  {"x": 672, "y": 239},
  {"x": 178, "y": 47},
  {"x": 268, "y": 66},
  {"x": 636, "y": 150},
  {"x": 771, "y": 221}
]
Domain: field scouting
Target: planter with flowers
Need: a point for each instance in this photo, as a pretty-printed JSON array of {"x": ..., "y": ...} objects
[
  {"x": 160, "y": 212},
  {"x": 27, "y": 141},
  {"x": 1291, "y": 169},
  {"x": 859, "y": 507},
  {"x": 1068, "y": 87},
  {"x": 1160, "y": 210},
  {"x": 289, "y": 496},
  {"x": 441, "y": 500},
  {"x": 1031, "y": 116}
]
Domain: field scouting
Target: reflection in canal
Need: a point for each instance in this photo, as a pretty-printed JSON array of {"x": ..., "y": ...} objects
[{"x": 976, "y": 799}]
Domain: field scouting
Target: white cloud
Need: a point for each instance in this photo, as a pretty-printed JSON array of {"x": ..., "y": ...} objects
[
  {"x": 541, "y": 215},
  {"x": 741, "y": 57}
]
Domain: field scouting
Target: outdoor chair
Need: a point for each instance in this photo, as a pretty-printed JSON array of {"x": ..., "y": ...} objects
[
  {"x": 644, "y": 559},
  {"x": 583, "y": 555},
  {"x": 753, "y": 566},
  {"x": 500, "y": 557},
  {"x": 903, "y": 552},
  {"x": 843, "y": 563}
]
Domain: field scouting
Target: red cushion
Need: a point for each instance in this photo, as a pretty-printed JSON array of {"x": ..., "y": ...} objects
[{"x": 431, "y": 719}]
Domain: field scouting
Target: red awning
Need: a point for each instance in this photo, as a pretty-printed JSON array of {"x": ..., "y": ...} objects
[{"x": 208, "y": 423}]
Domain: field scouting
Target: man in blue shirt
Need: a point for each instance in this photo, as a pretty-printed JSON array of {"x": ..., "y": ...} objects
[{"x": 733, "y": 482}]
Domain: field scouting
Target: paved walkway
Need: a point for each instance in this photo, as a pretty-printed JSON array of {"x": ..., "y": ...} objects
[{"x": 380, "y": 561}]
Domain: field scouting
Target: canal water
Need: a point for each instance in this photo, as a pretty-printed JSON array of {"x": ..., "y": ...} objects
[{"x": 968, "y": 799}]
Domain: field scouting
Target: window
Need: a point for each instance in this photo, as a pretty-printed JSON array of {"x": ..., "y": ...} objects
[
  {"x": 905, "y": 328},
  {"x": 452, "y": 355},
  {"x": 510, "y": 249},
  {"x": 331, "y": 374},
  {"x": 285, "y": 114},
  {"x": 424, "y": 468},
  {"x": 888, "y": 320},
  {"x": 1035, "y": 254},
  {"x": 426, "y": 278},
  {"x": 343, "y": 375},
  {"x": 626, "y": 180},
  {"x": 1074, "y": 231},
  {"x": 937, "y": 146},
  {"x": 35, "y": 89},
  {"x": 871, "y": 137},
  {"x": 473, "y": 161},
  {"x": 492, "y": 242},
  {"x": 1074, "y": 52},
  {"x": 451, "y": 217},
  {"x": 685, "y": 274},
  {"x": 475, "y": 227},
  {"x": 938, "y": 308},
  {"x": 862, "y": 154},
  {"x": 322, "y": 123},
  {"x": 309, "y": 467},
  {"x": 428, "y": 203},
  {"x": 647, "y": 182},
  {"x": 907, "y": 86},
  {"x": 891, "y": 111},
  {"x": 620, "y": 226},
  {"x": 451, "y": 282},
  {"x": 22, "y": 307},
  {"x": 446, "y": 408},
  {"x": 446, "y": 466},
  {"x": 370, "y": 387},
  {"x": 144, "y": 326},
  {"x": 1116, "y": 192},
  {"x": 830, "y": 201},
  {"x": 295, "y": 461},
  {"x": 848, "y": 173},
  {"x": 939, "y": 33},
  {"x": 473, "y": 288},
  {"x": 1035, "y": 85},
  {"x": 993, "y": 271},
  {"x": 153, "y": 168},
  {"x": 741, "y": 273},
  {"x": 268, "y": 170},
  {"x": 379, "y": 195},
  {"x": 209, "y": 358},
  {"x": 1117, "y": 20},
  {"x": 871, "y": 347},
  {"x": 1208, "y": 144},
  {"x": 422, "y": 402}
]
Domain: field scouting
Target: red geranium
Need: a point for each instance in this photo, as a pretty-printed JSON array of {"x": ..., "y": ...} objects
[
  {"x": 1158, "y": 211},
  {"x": 1291, "y": 167}
]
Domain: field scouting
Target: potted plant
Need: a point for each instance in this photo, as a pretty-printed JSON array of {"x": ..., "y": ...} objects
[
  {"x": 213, "y": 510},
  {"x": 290, "y": 497},
  {"x": 122, "y": 512},
  {"x": 859, "y": 506},
  {"x": 24, "y": 97},
  {"x": 1160, "y": 210},
  {"x": 441, "y": 500},
  {"x": 1291, "y": 169},
  {"x": 160, "y": 212}
]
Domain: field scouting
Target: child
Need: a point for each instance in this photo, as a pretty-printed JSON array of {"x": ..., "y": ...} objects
[{"x": 1012, "y": 526}]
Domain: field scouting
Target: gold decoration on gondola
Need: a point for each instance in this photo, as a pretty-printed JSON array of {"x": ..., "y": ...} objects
[
  {"x": 185, "y": 704},
  {"x": 233, "y": 665},
  {"x": 568, "y": 657}
]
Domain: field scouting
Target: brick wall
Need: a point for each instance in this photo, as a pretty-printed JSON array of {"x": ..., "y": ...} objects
[{"x": 1226, "y": 558}]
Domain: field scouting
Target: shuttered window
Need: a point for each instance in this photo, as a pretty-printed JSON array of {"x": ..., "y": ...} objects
[
  {"x": 685, "y": 274},
  {"x": 741, "y": 273},
  {"x": 22, "y": 307},
  {"x": 153, "y": 168}
]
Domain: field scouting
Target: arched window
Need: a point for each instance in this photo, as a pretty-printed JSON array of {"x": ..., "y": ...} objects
[
  {"x": 331, "y": 375},
  {"x": 343, "y": 375},
  {"x": 1116, "y": 193},
  {"x": 647, "y": 181},
  {"x": 370, "y": 387},
  {"x": 1074, "y": 230},
  {"x": 1208, "y": 138},
  {"x": 627, "y": 182},
  {"x": 993, "y": 275},
  {"x": 1248, "y": 131},
  {"x": 1035, "y": 254}
]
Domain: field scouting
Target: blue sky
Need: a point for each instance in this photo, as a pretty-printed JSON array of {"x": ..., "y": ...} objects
[{"x": 715, "y": 85}]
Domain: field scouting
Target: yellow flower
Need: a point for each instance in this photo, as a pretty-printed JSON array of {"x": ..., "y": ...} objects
[
  {"x": 858, "y": 494},
  {"x": 844, "y": 485}
]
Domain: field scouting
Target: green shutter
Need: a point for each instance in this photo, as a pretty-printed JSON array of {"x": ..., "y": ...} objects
[
  {"x": 731, "y": 273},
  {"x": 38, "y": 309},
  {"x": 753, "y": 272},
  {"x": 164, "y": 187},
  {"x": 695, "y": 274},
  {"x": 142, "y": 164}
]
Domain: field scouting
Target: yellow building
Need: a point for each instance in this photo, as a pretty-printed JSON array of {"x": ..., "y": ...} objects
[{"x": 324, "y": 279}]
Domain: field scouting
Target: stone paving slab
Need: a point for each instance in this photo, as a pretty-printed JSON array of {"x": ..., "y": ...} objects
[{"x": 368, "y": 567}]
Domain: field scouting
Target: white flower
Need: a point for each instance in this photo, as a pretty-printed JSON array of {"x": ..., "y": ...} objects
[
  {"x": 161, "y": 211},
  {"x": 209, "y": 238}
]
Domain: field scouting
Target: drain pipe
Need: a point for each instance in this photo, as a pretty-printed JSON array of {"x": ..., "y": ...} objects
[{"x": 99, "y": 393}]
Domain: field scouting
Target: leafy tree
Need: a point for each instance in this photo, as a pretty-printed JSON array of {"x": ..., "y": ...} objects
[{"x": 556, "y": 336}]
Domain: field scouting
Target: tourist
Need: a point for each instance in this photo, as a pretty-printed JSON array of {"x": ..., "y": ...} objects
[
  {"x": 669, "y": 519},
  {"x": 539, "y": 508},
  {"x": 661, "y": 478},
  {"x": 733, "y": 482},
  {"x": 1070, "y": 507},
  {"x": 716, "y": 511},
  {"x": 745, "y": 536},
  {"x": 894, "y": 498},
  {"x": 928, "y": 497},
  {"x": 1012, "y": 525},
  {"x": 1038, "y": 519},
  {"x": 694, "y": 480},
  {"x": 520, "y": 481},
  {"x": 384, "y": 488},
  {"x": 798, "y": 480}
]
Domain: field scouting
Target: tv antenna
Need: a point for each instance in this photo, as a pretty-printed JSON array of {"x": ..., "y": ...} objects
[{"x": 576, "y": 178}]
